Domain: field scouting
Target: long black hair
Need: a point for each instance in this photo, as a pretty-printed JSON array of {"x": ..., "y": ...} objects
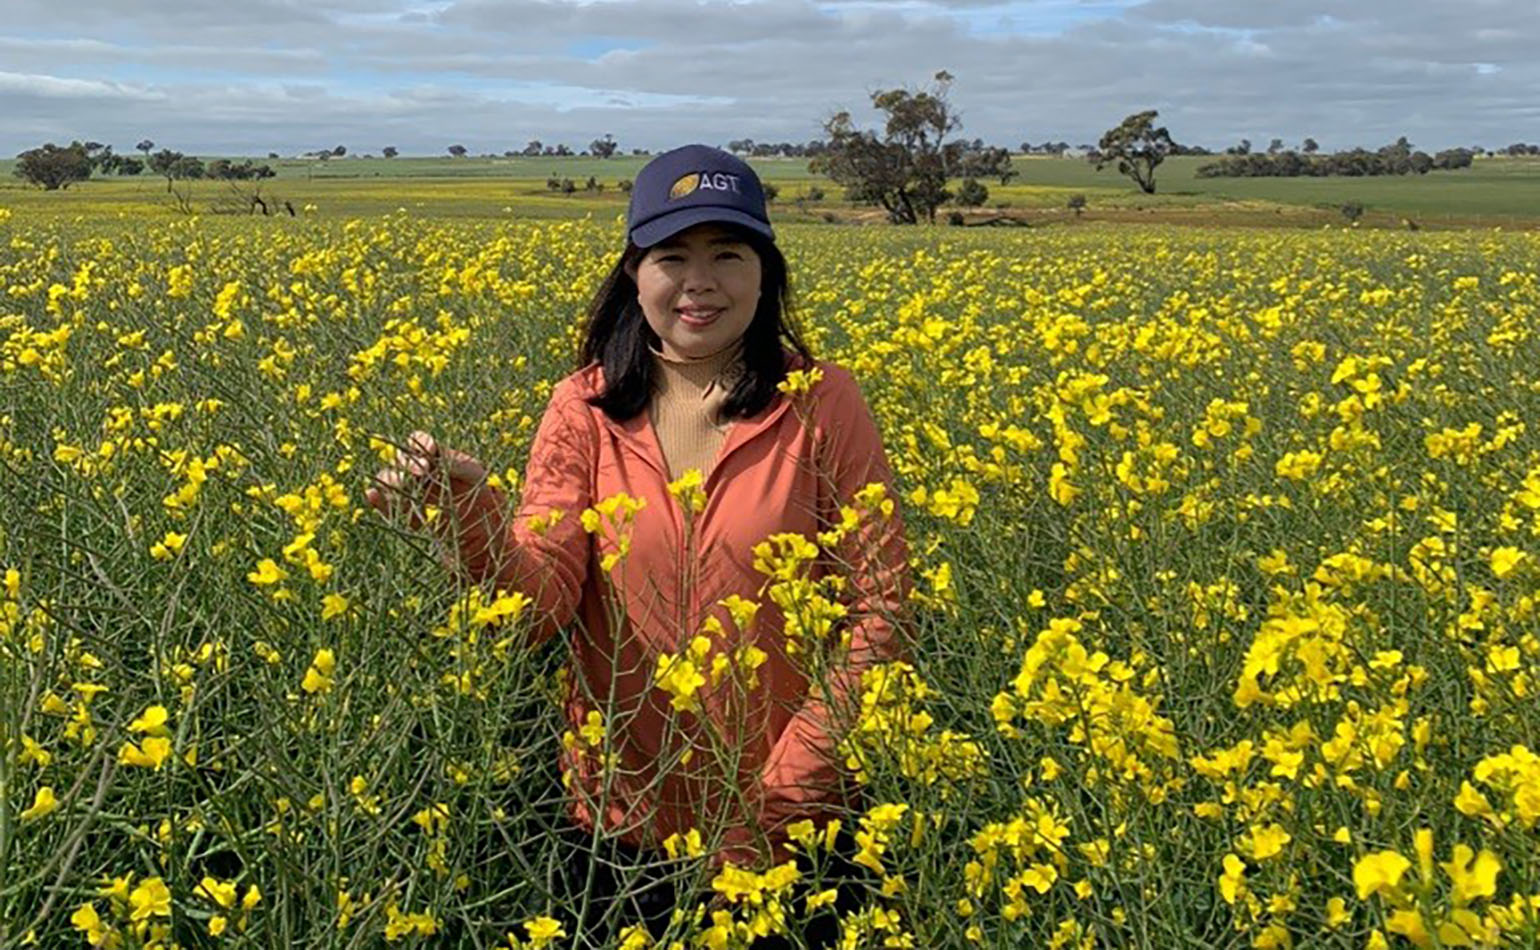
[{"x": 620, "y": 340}]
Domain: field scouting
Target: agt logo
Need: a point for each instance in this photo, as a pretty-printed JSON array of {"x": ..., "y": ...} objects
[{"x": 703, "y": 181}]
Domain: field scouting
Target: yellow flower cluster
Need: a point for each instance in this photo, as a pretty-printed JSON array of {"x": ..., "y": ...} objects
[
  {"x": 1225, "y": 546},
  {"x": 1115, "y": 727}
]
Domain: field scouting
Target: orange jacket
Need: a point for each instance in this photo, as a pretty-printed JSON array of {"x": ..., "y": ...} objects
[{"x": 788, "y": 468}]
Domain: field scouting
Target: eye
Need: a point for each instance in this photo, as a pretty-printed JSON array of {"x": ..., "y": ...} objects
[
  {"x": 730, "y": 255},
  {"x": 669, "y": 258}
]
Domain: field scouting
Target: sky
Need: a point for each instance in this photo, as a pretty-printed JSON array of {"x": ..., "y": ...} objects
[{"x": 249, "y": 77}]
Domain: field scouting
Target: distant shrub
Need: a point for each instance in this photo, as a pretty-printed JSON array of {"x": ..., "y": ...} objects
[{"x": 972, "y": 193}]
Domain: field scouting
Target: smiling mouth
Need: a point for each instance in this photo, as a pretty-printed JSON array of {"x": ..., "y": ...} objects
[{"x": 698, "y": 317}]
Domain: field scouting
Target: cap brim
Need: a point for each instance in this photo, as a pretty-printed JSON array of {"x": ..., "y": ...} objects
[{"x": 665, "y": 226}]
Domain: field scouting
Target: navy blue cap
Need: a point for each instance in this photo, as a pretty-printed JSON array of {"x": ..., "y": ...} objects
[{"x": 691, "y": 185}]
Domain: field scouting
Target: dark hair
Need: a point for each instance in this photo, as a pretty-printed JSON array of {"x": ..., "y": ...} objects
[{"x": 620, "y": 340}]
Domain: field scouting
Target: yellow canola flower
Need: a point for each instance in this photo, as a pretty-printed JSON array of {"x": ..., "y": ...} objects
[
  {"x": 43, "y": 804},
  {"x": 98, "y": 934},
  {"x": 220, "y": 892},
  {"x": 1379, "y": 873},
  {"x": 543, "y": 930},
  {"x": 150, "y": 899},
  {"x": 1469, "y": 882},
  {"x": 690, "y": 843},
  {"x": 1267, "y": 841},
  {"x": 151, "y": 753},
  {"x": 1232, "y": 882},
  {"x": 398, "y": 924},
  {"x": 800, "y": 381},
  {"x": 1505, "y": 559},
  {"x": 267, "y": 573},
  {"x": 680, "y": 678},
  {"x": 318, "y": 677},
  {"x": 152, "y": 721},
  {"x": 333, "y": 605},
  {"x": 168, "y": 547},
  {"x": 687, "y": 490}
]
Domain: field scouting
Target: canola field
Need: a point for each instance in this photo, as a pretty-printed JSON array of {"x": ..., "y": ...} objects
[{"x": 1226, "y": 550}]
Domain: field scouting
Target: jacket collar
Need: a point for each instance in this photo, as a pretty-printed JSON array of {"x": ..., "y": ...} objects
[{"x": 638, "y": 434}]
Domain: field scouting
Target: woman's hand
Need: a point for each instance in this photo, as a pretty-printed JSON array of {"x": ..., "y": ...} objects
[{"x": 426, "y": 473}]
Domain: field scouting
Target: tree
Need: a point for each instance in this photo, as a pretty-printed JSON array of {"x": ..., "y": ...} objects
[
  {"x": 145, "y": 146},
  {"x": 533, "y": 148},
  {"x": 603, "y": 148},
  {"x": 389, "y": 151},
  {"x": 100, "y": 156},
  {"x": 188, "y": 166},
  {"x": 1137, "y": 146},
  {"x": 985, "y": 161},
  {"x": 1275, "y": 146},
  {"x": 53, "y": 167},
  {"x": 164, "y": 163},
  {"x": 1310, "y": 146},
  {"x": 340, "y": 151},
  {"x": 906, "y": 169},
  {"x": 1451, "y": 158},
  {"x": 458, "y": 151},
  {"x": 105, "y": 160}
]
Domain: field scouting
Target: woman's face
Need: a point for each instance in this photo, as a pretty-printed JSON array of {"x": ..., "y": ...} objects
[{"x": 698, "y": 290}]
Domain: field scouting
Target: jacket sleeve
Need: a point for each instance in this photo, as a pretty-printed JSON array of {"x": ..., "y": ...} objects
[
  {"x": 547, "y": 563},
  {"x": 803, "y": 770}
]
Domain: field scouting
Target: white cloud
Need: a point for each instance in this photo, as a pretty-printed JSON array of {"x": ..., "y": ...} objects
[
  {"x": 36, "y": 85},
  {"x": 286, "y": 74}
]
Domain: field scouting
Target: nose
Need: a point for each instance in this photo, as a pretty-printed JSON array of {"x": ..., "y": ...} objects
[{"x": 699, "y": 275}]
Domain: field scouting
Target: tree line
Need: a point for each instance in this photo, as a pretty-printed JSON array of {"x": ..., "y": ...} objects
[
  {"x": 1397, "y": 158},
  {"x": 55, "y": 167}
]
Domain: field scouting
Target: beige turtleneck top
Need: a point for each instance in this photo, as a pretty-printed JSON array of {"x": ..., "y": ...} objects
[{"x": 685, "y": 405}]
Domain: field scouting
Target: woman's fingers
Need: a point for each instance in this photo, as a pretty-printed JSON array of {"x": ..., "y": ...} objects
[
  {"x": 412, "y": 462},
  {"x": 384, "y": 493},
  {"x": 461, "y": 467},
  {"x": 424, "y": 473},
  {"x": 424, "y": 445},
  {"x": 422, "y": 455}
]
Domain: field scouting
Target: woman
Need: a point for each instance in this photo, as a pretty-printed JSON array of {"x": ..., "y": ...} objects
[{"x": 680, "y": 370}]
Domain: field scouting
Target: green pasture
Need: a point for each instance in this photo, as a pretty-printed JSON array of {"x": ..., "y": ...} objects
[{"x": 1494, "y": 192}]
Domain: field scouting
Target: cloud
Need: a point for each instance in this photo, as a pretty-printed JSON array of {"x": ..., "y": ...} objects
[
  {"x": 22, "y": 86},
  {"x": 286, "y": 74}
]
